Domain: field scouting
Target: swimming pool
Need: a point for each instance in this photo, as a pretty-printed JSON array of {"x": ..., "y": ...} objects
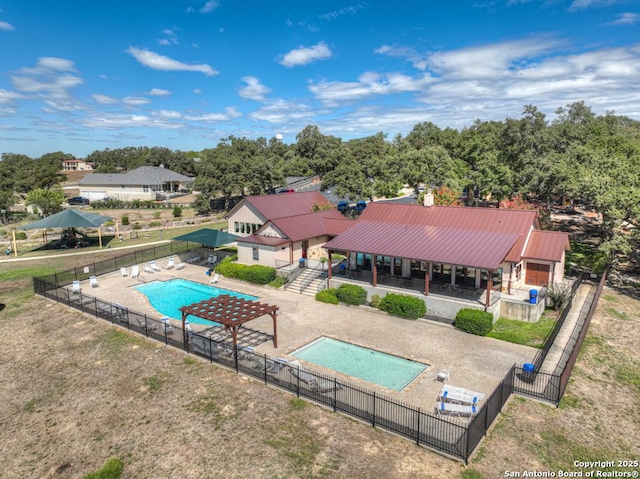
[
  {"x": 167, "y": 297},
  {"x": 387, "y": 370}
]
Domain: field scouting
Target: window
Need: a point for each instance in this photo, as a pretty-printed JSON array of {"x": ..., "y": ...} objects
[
  {"x": 236, "y": 227},
  {"x": 519, "y": 272},
  {"x": 145, "y": 188},
  {"x": 256, "y": 254}
]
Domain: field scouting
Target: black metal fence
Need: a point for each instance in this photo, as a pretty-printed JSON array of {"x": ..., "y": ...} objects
[{"x": 449, "y": 436}]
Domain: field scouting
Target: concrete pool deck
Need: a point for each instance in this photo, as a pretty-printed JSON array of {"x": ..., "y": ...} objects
[{"x": 475, "y": 362}]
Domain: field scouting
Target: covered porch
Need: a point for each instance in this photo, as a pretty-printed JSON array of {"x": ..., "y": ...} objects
[{"x": 393, "y": 274}]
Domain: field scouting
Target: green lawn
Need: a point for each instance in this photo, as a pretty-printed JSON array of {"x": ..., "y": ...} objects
[{"x": 519, "y": 332}]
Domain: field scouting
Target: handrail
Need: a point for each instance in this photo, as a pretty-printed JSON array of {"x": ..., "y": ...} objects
[{"x": 310, "y": 277}]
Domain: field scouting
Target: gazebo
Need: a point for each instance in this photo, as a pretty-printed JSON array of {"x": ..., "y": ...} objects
[
  {"x": 69, "y": 218},
  {"x": 231, "y": 312}
]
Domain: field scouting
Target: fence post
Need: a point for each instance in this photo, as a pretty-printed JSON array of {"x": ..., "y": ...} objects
[
  {"x": 265, "y": 369},
  {"x": 373, "y": 415},
  {"x": 335, "y": 394},
  {"x": 418, "y": 428}
]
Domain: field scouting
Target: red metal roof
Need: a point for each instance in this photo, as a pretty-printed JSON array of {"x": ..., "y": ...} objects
[
  {"x": 547, "y": 245},
  {"x": 447, "y": 245},
  {"x": 460, "y": 217},
  {"x": 283, "y": 204},
  {"x": 306, "y": 226}
]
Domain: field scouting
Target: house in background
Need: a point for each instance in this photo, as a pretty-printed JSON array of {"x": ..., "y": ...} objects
[
  {"x": 281, "y": 229},
  {"x": 144, "y": 183},
  {"x": 76, "y": 165}
]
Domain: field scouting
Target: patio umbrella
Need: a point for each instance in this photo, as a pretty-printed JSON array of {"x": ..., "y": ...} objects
[{"x": 209, "y": 237}]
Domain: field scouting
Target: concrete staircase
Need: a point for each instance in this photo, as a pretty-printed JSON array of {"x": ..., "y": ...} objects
[{"x": 314, "y": 277}]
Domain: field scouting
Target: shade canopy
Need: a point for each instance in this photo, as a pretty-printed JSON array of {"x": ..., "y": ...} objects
[
  {"x": 209, "y": 237},
  {"x": 69, "y": 218}
]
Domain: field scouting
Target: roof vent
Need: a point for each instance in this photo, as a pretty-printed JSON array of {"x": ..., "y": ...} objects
[{"x": 428, "y": 198}]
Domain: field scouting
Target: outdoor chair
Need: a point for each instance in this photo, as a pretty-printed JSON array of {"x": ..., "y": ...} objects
[
  {"x": 123, "y": 272},
  {"x": 459, "y": 410},
  {"x": 170, "y": 264},
  {"x": 214, "y": 279},
  {"x": 155, "y": 267},
  {"x": 181, "y": 265},
  {"x": 93, "y": 281},
  {"x": 149, "y": 270},
  {"x": 135, "y": 271},
  {"x": 460, "y": 394},
  {"x": 443, "y": 375},
  {"x": 75, "y": 287},
  {"x": 166, "y": 325},
  {"x": 316, "y": 384}
]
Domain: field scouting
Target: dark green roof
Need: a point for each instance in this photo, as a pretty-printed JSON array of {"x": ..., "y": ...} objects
[
  {"x": 70, "y": 218},
  {"x": 209, "y": 237}
]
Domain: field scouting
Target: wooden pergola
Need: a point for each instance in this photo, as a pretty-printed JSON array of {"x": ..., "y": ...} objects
[{"x": 231, "y": 312}]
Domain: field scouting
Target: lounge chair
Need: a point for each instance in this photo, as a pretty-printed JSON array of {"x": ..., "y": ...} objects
[
  {"x": 458, "y": 394},
  {"x": 123, "y": 272},
  {"x": 155, "y": 267},
  {"x": 75, "y": 287},
  {"x": 149, "y": 270},
  {"x": 214, "y": 279},
  {"x": 170, "y": 264},
  {"x": 316, "y": 384},
  {"x": 459, "y": 410},
  {"x": 443, "y": 375},
  {"x": 93, "y": 281},
  {"x": 181, "y": 265},
  {"x": 166, "y": 325},
  {"x": 135, "y": 271}
]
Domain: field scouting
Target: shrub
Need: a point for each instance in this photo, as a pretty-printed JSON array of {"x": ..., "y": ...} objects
[
  {"x": 278, "y": 282},
  {"x": 351, "y": 294},
  {"x": 327, "y": 296},
  {"x": 156, "y": 215},
  {"x": 21, "y": 235},
  {"x": 559, "y": 295},
  {"x": 154, "y": 224},
  {"x": 474, "y": 321},
  {"x": 125, "y": 220},
  {"x": 375, "y": 301},
  {"x": 408, "y": 307},
  {"x": 137, "y": 226},
  {"x": 253, "y": 274},
  {"x": 177, "y": 212}
]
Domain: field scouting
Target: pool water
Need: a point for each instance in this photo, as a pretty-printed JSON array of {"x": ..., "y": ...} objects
[
  {"x": 386, "y": 370},
  {"x": 167, "y": 297}
]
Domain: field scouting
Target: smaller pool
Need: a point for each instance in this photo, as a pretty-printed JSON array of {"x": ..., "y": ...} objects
[
  {"x": 387, "y": 370},
  {"x": 167, "y": 297}
]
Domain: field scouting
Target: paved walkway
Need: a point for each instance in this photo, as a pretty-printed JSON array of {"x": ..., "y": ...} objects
[
  {"x": 477, "y": 363},
  {"x": 581, "y": 303}
]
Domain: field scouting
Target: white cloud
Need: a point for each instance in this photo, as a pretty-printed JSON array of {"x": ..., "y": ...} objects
[
  {"x": 7, "y": 96},
  {"x": 157, "y": 92},
  {"x": 368, "y": 85},
  {"x": 343, "y": 11},
  {"x": 306, "y": 55},
  {"x": 6, "y": 27},
  {"x": 418, "y": 60},
  {"x": 51, "y": 78},
  {"x": 156, "y": 61},
  {"x": 104, "y": 99},
  {"x": 625, "y": 19},
  {"x": 197, "y": 91},
  {"x": 282, "y": 111},
  {"x": 229, "y": 114},
  {"x": 582, "y": 4},
  {"x": 209, "y": 6},
  {"x": 115, "y": 121},
  {"x": 168, "y": 114},
  {"x": 254, "y": 89},
  {"x": 135, "y": 101}
]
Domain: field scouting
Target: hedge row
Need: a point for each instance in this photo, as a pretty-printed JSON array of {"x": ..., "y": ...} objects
[
  {"x": 256, "y": 274},
  {"x": 408, "y": 307},
  {"x": 347, "y": 293},
  {"x": 474, "y": 321}
]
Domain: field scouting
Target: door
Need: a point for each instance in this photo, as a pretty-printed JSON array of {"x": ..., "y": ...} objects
[{"x": 537, "y": 274}]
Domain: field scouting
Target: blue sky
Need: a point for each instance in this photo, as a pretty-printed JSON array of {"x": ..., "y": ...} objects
[{"x": 78, "y": 76}]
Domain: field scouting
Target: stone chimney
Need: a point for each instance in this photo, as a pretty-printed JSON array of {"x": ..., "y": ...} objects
[{"x": 428, "y": 198}]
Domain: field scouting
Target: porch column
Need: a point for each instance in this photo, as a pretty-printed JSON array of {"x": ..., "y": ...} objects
[
  {"x": 291, "y": 252},
  {"x": 510, "y": 279},
  {"x": 489, "y": 286},
  {"x": 274, "y": 316},
  {"x": 374, "y": 270},
  {"x": 453, "y": 275},
  {"x": 330, "y": 268},
  {"x": 426, "y": 280}
]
